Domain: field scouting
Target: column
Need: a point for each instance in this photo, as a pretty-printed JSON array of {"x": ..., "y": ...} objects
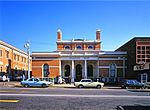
[
  {"x": 72, "y": 75},
  {"x": 85, "y": 68},
  {"x": 98, "y": 68},
  {"x": 60, "y": 67}
]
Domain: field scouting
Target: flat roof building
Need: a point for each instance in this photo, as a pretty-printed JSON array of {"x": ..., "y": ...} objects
[
  {"x": 78, "y": 59},
  {"x": 138, "y": 58},
  {"x": 13, "y": 61}
]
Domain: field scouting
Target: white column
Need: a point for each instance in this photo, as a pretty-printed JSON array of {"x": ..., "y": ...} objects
[
  {"x": 85, "y": 68},
  {"x": 72, "y": 75},
  {"x": 60, "y": 67},
  {"x": 98, "y": 68}
]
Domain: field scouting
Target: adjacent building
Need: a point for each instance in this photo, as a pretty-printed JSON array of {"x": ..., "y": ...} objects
[
  {"x": 13, "y": 61},
  {"x": 80, "y": 58},
  {"x": 138, "y": 58}
]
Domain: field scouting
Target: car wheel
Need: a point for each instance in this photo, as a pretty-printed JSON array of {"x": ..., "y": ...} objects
[
  {"x": 123, "y": 87},
  {"x": 98, "y": 86},
  {"x": 26, "y": 85},
  {"x": 43, "y": 85},
  {"x": 80, "y": 86}
]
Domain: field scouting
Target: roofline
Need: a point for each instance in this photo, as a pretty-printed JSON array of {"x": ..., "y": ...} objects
[{"x": 12, "y": 47}]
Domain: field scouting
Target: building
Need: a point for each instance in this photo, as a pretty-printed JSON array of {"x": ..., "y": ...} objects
[
  {"x": 80, "y": 58},
  {"x": 138, "y": 58},
  {"x": 13, "y": 61}
]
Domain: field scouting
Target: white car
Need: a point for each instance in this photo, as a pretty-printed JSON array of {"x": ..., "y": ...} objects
[{"x": 88, "y": 83}]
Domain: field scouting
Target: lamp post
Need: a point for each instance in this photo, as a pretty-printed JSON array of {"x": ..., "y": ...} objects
[{"x": 27, "y": 46}]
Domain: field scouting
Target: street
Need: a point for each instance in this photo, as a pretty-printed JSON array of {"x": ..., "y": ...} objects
[{"x": 71, "y": 99}]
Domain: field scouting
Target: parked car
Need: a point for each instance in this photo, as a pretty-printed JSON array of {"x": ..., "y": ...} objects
[
  {"x": 35, "y": 82},
  {"x": 131, "y": 83},
  {"x": 147, "y": 85},
  {"x": 88, "y": 83}
]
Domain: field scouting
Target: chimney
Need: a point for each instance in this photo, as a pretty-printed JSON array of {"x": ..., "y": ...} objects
[
  {"x": 59, "y": 35},
  {"x": 98, "y": 34}
]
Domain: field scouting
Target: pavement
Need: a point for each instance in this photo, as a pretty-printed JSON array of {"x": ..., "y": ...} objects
[{"x": 17, "y": 84}]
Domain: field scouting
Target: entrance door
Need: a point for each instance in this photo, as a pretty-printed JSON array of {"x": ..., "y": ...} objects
[
  {"x": 78, "y": 72},
  {"x": 89, "y": 71},
  {"x": 144, "y": 78}
]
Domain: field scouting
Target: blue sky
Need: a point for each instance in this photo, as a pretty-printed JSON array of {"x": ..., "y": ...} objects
[{"x": 38, "y": 22}]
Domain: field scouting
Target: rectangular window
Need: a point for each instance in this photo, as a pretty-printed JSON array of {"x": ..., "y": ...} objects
[
  {"x": 1, "y": 53},
  {"x": 18, "y": 57},
  {"x": 22, "y": 59},
  {"x": 7, "y": 53},
  {"x": 14, "y": 56}
]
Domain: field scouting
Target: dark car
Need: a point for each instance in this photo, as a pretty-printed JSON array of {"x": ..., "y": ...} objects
[{"x": 131, "y": 83}]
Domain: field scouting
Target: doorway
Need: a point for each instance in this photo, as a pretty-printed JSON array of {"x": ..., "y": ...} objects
[
  {"x": 144, "y": 78},
  {"x": 78, "y": 72}
]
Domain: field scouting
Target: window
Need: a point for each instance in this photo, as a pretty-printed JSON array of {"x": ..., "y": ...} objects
[
  {"x": 1, "y": 53},
  {"x": 112, "y": 70},
  {"x": 90, "y": 47},
  {"x": 46, "y": 70},
  {"x": 7, "y": 53},
  {"x": 1, "y": 69},
  {"x": 67, "y": 71},
  {"x": 31, "y": 79},
  {"x": 90, "y": 71},
  {"x": 14, "y": 56},
  {"x": 18, "y": 57},
  {"x": 67, "y": 47},
  {"x": 22, "y": 59},
  {"x": 79, "y": 47}
]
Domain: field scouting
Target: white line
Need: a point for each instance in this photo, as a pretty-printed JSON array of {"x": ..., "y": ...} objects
[{"x": 61, "y": 95}]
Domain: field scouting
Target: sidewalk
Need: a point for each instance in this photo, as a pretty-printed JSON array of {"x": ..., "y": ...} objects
[
  {"x": 17, "y": 84},
  {"x": 10, "y": 84}
]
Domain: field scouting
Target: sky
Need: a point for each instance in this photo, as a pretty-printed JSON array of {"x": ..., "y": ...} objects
[{"x": 38, "y": 21}]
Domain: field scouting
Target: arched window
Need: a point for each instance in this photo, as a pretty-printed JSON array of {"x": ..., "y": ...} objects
[
  {"x": 78, "y": 72},
  {"x": 90, "y": 47},
  {"x": 79, "y": 47},
  {"x": 112, "y": 70},
  {"x": 67, "y": 70},
  {"x": 46, "y": 70},
  {"x": 90, "y": 71},
  {"x": 67, "y": 47}
]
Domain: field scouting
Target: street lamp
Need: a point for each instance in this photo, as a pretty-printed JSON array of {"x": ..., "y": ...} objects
[{"x": 27, "y": 46}]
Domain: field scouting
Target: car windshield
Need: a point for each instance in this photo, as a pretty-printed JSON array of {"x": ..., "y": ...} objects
[
  {"x": 37, "y": 80},
  {"x": 132, "y": 81},
  {"x": 33, "y": 79},
  {"x": 88, "y": 80}
]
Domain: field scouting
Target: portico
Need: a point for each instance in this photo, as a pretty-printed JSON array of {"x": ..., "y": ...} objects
[{"x": 79, "y": 69}]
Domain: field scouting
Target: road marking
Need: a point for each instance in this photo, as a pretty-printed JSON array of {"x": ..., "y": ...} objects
[
  {"x": 9, "y": 101},
  {"x": 14, "y": 91},
  {"x": 67, "y": 95}
]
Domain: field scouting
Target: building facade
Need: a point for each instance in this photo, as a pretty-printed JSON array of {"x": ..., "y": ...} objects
[
  {"x": 13, "y": 61},
  {"x": 78, "y": 59},
  {"x": 138, "y": 58}
]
